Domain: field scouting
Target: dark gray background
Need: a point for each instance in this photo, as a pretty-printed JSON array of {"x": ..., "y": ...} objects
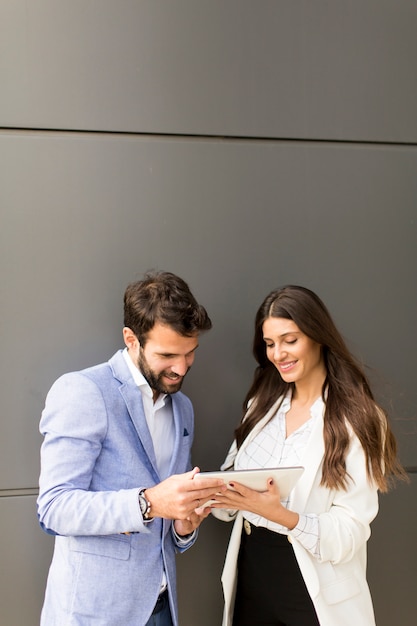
[{"x": 242, "y": 145}]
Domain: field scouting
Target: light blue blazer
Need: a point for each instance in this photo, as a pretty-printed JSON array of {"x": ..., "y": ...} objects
[{"x": 97, "y": 452}]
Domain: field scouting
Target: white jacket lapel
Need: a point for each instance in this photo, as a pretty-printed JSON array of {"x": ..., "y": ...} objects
[{"x": 312, "y": 459}]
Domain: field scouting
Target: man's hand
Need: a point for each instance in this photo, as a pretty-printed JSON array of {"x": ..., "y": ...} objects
[
  {"x": 186, "y": 526},
  {"x": 179, "y": 495}
]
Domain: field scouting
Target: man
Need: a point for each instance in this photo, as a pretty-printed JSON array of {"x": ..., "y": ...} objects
[{"x": 116, "y": 485}]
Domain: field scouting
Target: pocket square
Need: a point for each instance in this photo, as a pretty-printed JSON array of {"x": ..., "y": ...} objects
[{"x": 186, "y": 433}]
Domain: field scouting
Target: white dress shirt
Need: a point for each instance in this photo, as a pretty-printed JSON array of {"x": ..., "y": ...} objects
[{"x": 160, "y": 421}]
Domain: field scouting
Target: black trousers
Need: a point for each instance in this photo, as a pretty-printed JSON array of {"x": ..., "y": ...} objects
[{"x": 270, "y": 588}]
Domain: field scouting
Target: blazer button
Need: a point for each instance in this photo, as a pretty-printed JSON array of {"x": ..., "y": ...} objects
[
  {"x": 247, "y": 527},
  {"x": 289, "y": 538}
]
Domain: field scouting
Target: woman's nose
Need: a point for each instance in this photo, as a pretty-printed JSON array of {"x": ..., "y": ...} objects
[{"x": 278, "y": 353}]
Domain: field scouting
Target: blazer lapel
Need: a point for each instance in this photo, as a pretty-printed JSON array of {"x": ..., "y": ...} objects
[
  {"x": 133, "y": 400},
  {"x": 312, "y": 460}
]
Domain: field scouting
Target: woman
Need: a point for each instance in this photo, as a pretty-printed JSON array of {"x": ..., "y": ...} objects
[{"x": 302, "y": 562}]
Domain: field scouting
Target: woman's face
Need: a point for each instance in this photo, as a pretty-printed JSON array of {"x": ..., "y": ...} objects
[{"x": 297, "y": 358}]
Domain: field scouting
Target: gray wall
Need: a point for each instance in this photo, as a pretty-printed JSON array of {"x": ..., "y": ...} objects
[{"x": 242, "y": 145}]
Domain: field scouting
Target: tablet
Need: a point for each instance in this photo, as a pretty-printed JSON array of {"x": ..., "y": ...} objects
[{"x": 284, "y": 477}]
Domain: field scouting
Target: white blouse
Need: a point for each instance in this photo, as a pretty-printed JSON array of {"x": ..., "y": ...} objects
[{"x": 271, "y": 448}]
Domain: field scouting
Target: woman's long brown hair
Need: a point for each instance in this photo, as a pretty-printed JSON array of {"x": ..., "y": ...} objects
[{"x": 346, "y": 391}]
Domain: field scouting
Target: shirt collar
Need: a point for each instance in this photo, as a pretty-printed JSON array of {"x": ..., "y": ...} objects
[
  {"x": 315, "y": 409},
  {"x": 318, "y": 407},
  {"x": 286, "y": 403}
]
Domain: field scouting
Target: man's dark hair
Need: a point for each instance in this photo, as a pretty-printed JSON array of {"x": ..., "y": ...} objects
[{"x": 165, "y": 298}]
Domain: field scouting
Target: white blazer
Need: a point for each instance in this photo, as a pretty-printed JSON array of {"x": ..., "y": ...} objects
[{"x": 337, "y": 581}]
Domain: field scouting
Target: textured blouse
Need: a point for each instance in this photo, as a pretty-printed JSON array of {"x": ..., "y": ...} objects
[{"x": 272, "y": 448}]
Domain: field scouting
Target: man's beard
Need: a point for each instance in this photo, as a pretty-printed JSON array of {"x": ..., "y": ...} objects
[{"x": 155, "y": 380}]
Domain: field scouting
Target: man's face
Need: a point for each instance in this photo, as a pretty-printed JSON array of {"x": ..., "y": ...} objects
[{"x": 165, "y": 358}]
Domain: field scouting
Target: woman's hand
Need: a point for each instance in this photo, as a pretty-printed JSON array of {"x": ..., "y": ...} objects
[{"x": 267, "y": 503}]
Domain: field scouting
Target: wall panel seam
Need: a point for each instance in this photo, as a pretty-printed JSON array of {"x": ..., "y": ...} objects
[{"x": 4, "y": 130}]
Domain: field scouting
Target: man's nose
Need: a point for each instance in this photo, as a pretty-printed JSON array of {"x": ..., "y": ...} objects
[{"x": 180, "y": 366}]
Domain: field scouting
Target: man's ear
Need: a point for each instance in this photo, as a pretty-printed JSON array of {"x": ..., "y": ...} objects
[{"x": 130, "y": 338}]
